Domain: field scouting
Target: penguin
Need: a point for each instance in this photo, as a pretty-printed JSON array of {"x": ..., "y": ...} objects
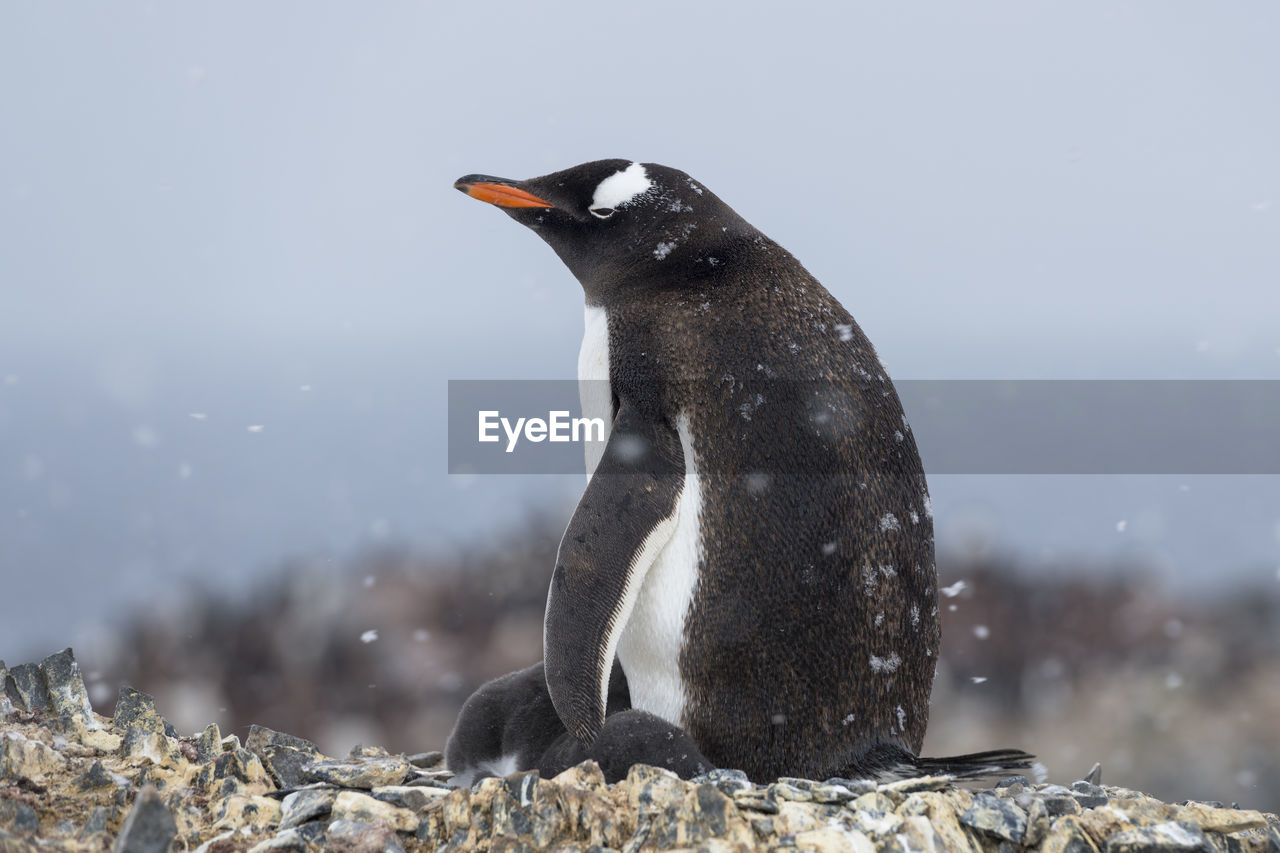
[
  {"x": 509, "y": 725},
  {"x": 755, "y": 542},
  {"x": 627, "y": 738}
]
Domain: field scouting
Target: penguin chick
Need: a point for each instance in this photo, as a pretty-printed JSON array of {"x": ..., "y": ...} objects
[
  {"x": 509, "y": 723},
  {"x": 627, "y": 738}
]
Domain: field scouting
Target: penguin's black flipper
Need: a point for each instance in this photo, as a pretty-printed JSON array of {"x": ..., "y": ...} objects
[
  {"x": 507, "y": 725},
  {"x": 627, "y": 738},
  {"x": 625, "y": 517}
]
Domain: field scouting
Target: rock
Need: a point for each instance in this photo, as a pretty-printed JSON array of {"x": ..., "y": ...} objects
[
  {"x": 236, "y": 772},
  {"x": 243, "y": 810},
  {"x": 426, "y": 760},
  {"x": 781, "y": 790},
  {"x": 367, "y": 773},
  {"x": 1067, "y": 835},
  {"x": 98, "y": 776},
  {"x": 26, "y": 689},
  {"x": 411, "y": 797},
  {"x": 18, "y": 817},
  {"x": 283, "y": 755},
  {"x": 7, "y": 708},
  {"x": 208, "y": 744},
  {"x": 355, "y": 806},
  {"x": 1094, "y": 776},
  {"x": 137, "y": 710},
  {"x": 289, "y": 840},
  {"x": 149, "y": 828},
  {"x": 942, "y": 817},
  {"x": 301, "y": 806},
  {"x": 1089, "y": 795},
  {"x": 1217, "y": 819},
  {"x": 834, "y": 839},
  {"x": 1037, "y": 824},
  {"x": 1169, "y": 837},
  {"x": 67, "y": 696},
  {"x": 997, "y": 817},
  {"x": 101, "y": 741},
  {"x": 354, "y": 836},
  {"x": 23, "y": 758},
  {"x": 858, "y": 786},
  {"x": 96, "y": 822},
  {"x": 920, "y": 783},
  {"x": 66, "y": 786},
  {"x": 148, "y": 745}
]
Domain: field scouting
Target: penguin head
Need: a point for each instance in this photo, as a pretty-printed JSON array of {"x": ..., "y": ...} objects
[{"x": 619, "y": 225}]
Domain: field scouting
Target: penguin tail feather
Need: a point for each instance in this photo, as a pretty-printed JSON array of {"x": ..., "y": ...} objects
[{"x": 975, "y": 765}]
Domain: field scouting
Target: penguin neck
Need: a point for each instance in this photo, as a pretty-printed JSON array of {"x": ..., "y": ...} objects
[{"x": 608, "y": 285}]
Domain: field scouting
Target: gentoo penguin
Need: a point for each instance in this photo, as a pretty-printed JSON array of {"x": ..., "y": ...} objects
[
  {"x": 755, "y": 542},
  {"x": 509, "y": 724}
]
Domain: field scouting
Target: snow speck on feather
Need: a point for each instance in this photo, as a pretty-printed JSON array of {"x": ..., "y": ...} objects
[
  {"x": 663, "y": 249},
  {"x": 885, "y": 664},
  {"x": 889, "y": 522}
]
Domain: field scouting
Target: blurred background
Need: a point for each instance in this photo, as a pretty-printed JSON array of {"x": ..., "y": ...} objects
[{"x": 234, "y": 281}]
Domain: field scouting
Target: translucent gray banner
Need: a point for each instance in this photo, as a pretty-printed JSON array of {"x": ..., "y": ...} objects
[{"x": 960, "y": 426}]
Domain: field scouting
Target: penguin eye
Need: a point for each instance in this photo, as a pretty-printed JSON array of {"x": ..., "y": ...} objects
[{"x": 601, "y": 212}]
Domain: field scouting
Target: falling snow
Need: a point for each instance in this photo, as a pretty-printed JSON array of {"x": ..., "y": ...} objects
[
  {"x": 955, "y": 589},
  {"x": 981, "y": 632},
  {"x": 978, "y": 679},
  {"x": 845, "y": 330},
  {"x": 1121, "y": 525},
  {"x": 370, "y": 636}
]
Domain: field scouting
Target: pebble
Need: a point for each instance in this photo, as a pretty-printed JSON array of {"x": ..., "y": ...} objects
[
  {"x": 364, "y": 772},
  {"x": 1167, "y": 837},
  {"x": 65, "y": 687},
  {"x": 997, "y": 817},
  {"x": 26, "y": 689},
  {"x": 426, "y": 760},
  {"x": 137, "y": 710},
  {"x": 24, "y": 758},
  {"x": 149, "y": 828},
  {"x": 301, "y": 806},
  {"x": 282, "y": 754}
]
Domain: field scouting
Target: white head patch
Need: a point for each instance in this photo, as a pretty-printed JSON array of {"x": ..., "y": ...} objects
[{"x": 621, "y": 187}]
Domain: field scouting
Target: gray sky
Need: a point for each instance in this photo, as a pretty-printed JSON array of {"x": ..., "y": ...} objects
[{"x": 204, "y": 209}]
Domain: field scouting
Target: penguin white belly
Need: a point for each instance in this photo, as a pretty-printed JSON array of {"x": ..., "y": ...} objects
[
  {"x": 649, "y": 647},
  {"x": 593, "y": 380}
]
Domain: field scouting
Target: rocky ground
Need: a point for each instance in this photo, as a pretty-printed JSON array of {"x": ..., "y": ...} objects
[{"x": 72, "y": 780}]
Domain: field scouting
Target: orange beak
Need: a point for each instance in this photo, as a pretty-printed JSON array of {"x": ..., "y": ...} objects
[{"x": 501, "y": 195}]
